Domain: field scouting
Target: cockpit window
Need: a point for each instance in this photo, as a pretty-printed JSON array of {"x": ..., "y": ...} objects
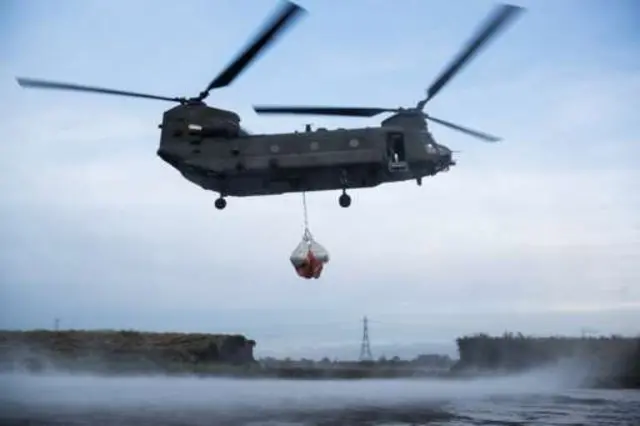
[
  {"x": 425, "y": 136},
  {"x": 427, "y": 140}
]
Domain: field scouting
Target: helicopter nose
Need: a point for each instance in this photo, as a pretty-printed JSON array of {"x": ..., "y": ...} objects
[
  {"x": 447, "y": 155},
  {"x": 450, "y": 158},
  {"x": 444, "y": 151}
]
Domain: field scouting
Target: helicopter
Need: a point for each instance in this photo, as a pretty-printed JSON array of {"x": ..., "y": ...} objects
[{"x": 210, "y": 148}]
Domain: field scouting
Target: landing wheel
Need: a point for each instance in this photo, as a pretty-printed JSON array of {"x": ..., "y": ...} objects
[
  {"x": 220, "y": 203},
  {"x": 344, "y": 200}
]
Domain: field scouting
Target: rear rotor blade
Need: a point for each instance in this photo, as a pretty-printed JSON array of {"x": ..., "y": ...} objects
[
  {"x": 339, "y": 111},
  {"x": 285, "y": 16},
  {"x": 491, "y": 27},
  {"x": 44, "y": 84},
  {"x": 481, "y": 135}
]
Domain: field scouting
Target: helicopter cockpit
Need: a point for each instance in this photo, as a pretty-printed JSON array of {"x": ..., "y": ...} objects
[
  {"x": 429, "y": 145},
  {"x": 434, "y": 148}
]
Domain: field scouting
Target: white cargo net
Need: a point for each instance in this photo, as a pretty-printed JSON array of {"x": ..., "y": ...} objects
[{"x": 308, "y": 244}]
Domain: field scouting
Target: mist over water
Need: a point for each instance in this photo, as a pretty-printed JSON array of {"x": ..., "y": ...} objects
[
  {"x": 88, "y": 390},
  {"x": 84, "y": 399}
]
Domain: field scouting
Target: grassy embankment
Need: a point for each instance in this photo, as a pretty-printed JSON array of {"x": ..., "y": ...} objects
[
  {"x": 611, "y": 361},
  {"x": 127, "y": 352},
  {"x": 124, "y": 351}
]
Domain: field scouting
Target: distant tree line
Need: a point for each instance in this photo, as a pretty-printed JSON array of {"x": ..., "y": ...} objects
[
  {"x": 434, "y": 361},
  {"x": 607, "y": 356}
]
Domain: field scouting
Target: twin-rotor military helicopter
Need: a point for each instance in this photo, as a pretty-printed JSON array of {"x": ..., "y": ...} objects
[{"x": 208, "y": 146}]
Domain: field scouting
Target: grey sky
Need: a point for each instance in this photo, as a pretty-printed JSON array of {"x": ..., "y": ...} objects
[{"x": 539, "y": 234}]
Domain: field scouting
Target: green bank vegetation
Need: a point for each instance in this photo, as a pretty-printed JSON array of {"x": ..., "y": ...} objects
[
  {"x": 127, "y": 352},
  {"x": 114, "y": 351},
  {"x": 611, "y": 360},
  {"x": 421, "y": 366}
]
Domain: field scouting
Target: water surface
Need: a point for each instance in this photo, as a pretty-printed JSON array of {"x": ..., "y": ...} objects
[{"x": 539, "y": 398}]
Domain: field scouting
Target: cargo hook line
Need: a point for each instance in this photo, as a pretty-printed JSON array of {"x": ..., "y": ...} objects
[{"x": 307, "y": 233}]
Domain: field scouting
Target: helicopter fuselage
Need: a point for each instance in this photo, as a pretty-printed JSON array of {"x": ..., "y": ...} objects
[{"x": 209, "y": 148}]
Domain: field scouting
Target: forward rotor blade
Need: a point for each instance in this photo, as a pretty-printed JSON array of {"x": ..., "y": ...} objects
[
  {"x": 339, "y": 111},
  {"x": 285, "y": 16},
  {"x": 481, "y": 135},
  {"x": 43, "y": 84},
  {"x": 491, "y": 27}
]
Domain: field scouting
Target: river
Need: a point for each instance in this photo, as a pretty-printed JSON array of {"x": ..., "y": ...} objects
[{"x": 536, "y": 398}]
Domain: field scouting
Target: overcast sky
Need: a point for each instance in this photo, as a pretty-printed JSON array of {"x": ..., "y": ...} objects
[{"x": 539, "y": 233}]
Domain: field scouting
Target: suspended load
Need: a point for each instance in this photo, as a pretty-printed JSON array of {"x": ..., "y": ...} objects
[{"x": 309, "y": 257}]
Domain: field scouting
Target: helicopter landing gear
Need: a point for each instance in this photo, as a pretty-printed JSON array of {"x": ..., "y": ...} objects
[
  {"x": 220, "y": 203},
  {"x": 419, "y": 181},
  {"x": 344, "y": 200}
]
